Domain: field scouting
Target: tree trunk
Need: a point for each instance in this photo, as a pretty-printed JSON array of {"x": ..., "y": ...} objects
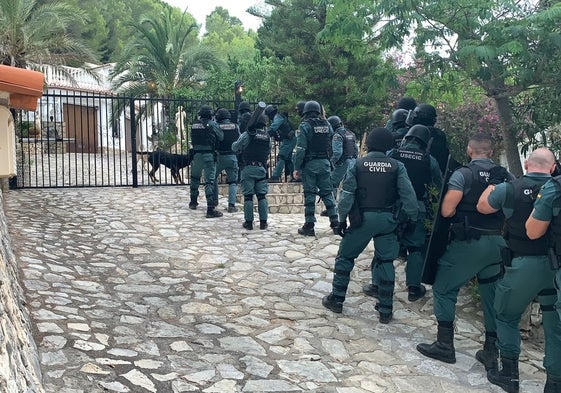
[{"x": 509, "y": 136}]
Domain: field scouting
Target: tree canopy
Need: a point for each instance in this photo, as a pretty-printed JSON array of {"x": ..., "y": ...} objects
[
  {"x": 309, "y": 65},
  {"x": 504, "y": 46},
  {"x": 36, "y": 33},
  {"x": 354, "y": 56},
  {"x": 163, "y": 56}
]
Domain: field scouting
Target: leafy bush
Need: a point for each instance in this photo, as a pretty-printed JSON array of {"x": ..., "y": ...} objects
[{"x": 462, "y": 122}]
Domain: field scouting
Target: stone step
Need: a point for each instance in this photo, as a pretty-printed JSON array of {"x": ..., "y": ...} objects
[{"x": 284, "y": 198}]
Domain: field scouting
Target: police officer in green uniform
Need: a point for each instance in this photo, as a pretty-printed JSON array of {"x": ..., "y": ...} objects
[
  {"x": 227, "y": 159},
  {"x": 345, "y": 151},
  {"x": 205, "y": 133},
  {"x": 311, "y": 162},
  {"x": 398, "y": 127},
  {"x": 527, "y": 275},
  {"x": 283, "y": 132},
  {"x": 423, "y": 171},
  {"x": 371, "y": 190},
  {"x": 425, "y": 114},
  {"x": 255, "y": 147},
  {"x": 244, "y": 114},
  {"x": 474, "y": 249},
  {"x": 300, "y": 108},
  {"x": 545, "y": 217},
  {"x": 407, "y": 103},
  {"x": 546, "y": 211}
]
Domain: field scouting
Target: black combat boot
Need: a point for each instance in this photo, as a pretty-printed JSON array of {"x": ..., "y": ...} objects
[
  {"x": 324, "y": 213},
  {"x": 211, "y": 212},
  {"x": 443, "y": 348},
  {"x": 307, "y": 229},
  {"x": 371, "y": 290},
  {"x": 415, "y": 293},
  {"x": 507, "y": 376},
  {"x": 489, "y": 354},
  {"x": 193, "y": 204},
  {"x": 334, "y": 225},
  {"x": 263, "y": 224},
  {"x": 334, "y": 303},
  {"x": 248, "y": 225},
  {"x": 232, "y": 208},
  {"x": 552, "y": 384},
  {"x": 384, "y": 317},
  {"x": 274, "y": 179}
]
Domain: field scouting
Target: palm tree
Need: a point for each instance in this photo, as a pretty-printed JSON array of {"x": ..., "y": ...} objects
[
  {"x": 32, "y": 34},
  {"x": 165, "y": 56},
  {"x": 162, "y": 58}
]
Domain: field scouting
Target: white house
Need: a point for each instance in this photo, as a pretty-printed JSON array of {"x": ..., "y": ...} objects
[{"x": 79, "y": 104}]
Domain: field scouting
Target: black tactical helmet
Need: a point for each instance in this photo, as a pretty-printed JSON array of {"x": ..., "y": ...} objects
[
  {"x": 300, "y": 107},
  {"x": 379, "y": 139},
  {"x": 244, "y": 107},
  {"x": 312, "y": 107},
  {"x": 407, "y": 103},
  {"x": 398, "y": 117},
  {"x": 335, "y": 121},
  {"x": 261, "y": 121},
  {"x": 271, "y": 111},
  {"x": 205, "y": 112},
  {"x": 419, "y": 132},
  {"x": 424, "y": 114},
  {"x": 222, "y": 114}
]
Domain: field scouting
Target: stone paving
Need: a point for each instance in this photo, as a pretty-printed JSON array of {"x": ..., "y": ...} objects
[{"x": 130, "y": 291}]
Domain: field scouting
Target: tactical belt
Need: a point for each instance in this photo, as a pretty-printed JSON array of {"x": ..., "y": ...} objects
[
  {"x": 528, "y": 254},
  {"x": 316, "y": 157},
  {"x": 488, "y": 232},
  {"x": 377, "y": 209},
  {"x": 203, "y": 151},
  {"x": 507, "y": 255},
  {"x": 255, "y": 163},
  {"x": 226, "y": 153},
  {"x": 462, "y": 232}
]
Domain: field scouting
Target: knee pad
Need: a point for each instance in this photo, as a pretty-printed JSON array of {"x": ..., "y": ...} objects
[
  {"x": 248, "y": 198},
  {"x": 261, "y": 196}
]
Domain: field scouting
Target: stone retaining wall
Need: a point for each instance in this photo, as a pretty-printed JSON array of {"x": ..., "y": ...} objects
[{"x": 19, "y": 364}]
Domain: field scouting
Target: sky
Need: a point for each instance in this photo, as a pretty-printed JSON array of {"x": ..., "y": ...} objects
[{"x": 201, "y": 8}]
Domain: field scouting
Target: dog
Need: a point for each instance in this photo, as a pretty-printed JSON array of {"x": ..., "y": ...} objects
[
  {"x": 175, "y": 163},
  {"x": 142, "y": 157}
]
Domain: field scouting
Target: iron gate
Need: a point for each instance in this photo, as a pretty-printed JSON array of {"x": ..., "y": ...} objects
[{"x": 93, "y": 140}]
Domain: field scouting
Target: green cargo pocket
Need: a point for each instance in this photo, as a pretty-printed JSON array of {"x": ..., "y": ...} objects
[{"x": 502, "y": 298}]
